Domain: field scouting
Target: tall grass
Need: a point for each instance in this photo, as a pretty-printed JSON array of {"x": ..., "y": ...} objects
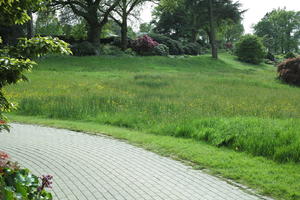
[{"x": 225, "y": 103}]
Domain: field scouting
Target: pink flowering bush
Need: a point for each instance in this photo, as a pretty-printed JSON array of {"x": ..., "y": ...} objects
[{"x": 144, "y": 45}]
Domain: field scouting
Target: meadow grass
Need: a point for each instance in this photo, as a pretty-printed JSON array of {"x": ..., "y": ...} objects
[{"x": 224, "y": 103}]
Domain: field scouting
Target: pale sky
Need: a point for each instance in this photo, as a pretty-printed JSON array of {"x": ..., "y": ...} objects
[{"x": 256, "y": 10}]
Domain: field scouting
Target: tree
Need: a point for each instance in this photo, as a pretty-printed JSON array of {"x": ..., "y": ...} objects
[
  {"x": 48, "y": 24},
  {"x": 189, "y": 17},
  {"x": 15, "y": 60},
  {"x": 280, "y": 30},
  {"x": 94, "y": 12},
  {"x": 120, "y": 15},
  {"x": 231, "y": 31},
  {"x": 146, "y": 27},
  {"x": 250, "y": 49},
  {"x": 212, "y": 34}
]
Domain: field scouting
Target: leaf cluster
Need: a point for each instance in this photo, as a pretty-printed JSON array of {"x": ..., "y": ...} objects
[{"x": 15, "y": 60}]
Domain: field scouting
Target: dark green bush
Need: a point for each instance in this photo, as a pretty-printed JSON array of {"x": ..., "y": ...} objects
[
  {"x": 270, "y": 57},
  {"x": 175, "y": 47},
  {"x": 111, "y": 50},
  {"x": 84, "y": 49},
  {"x": 250, "y": 49},
  {"x": 290, "y": 55},
  {"x": 161, "y": 50},
  {"x": 192, "y": 49}
]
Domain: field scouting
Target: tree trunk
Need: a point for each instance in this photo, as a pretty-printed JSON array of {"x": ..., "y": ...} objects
[
  {"x": 124, "y": 34},
  {"x": 194, "y": 30},
  {"x": 214, "y": 50},
  {"x": 30, "y": 26},
  {"x": 194, "y": 35},
  {"x": 94, "y": 31}
]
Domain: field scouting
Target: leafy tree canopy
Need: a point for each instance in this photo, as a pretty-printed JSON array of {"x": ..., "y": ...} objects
[
  {"x": 15, "y": 11},
  {"x": 15, "y": 60},
  {"x": 280, "y": 30}
]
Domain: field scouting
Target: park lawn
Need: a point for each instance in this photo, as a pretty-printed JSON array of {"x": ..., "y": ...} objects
[{"x": 235, "y": 119}]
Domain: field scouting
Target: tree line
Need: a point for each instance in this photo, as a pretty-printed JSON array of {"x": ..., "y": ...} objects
[{"x": 212, "y": 23}]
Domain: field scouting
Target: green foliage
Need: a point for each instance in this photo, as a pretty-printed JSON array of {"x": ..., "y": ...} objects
[
  {"x": 79, "y": 31},
  {"x": 20, "y": 183},
  {"x": 290, "y": 55},
  {"x": 187, "y": 18},
  {"x": 15, "y": 11},
  {"x": 38, "y": 46},
  {"x": 280, "y": 30},
  {"x": 192, "y": 49},
  {"x": 175, "y": 47},
  {"x": 48, "y": 24},
  {"x": 84, "y": 49},
  {"x": 146, "y": 28},
  {"x": 230, "y": 31},
  {"x": 160, "y": 50},
  {"x": 14, "y": 61},
  {"x": 250, "y": 49},
  {"x": 17, "y": 183},
  {"x": 112, "y": 50}
]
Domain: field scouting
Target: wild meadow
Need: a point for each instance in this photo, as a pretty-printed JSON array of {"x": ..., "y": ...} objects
[{"x": 225, "y": 102}]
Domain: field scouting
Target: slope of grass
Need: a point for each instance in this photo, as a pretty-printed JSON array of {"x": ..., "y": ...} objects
[{"x": 224, "y": 103}]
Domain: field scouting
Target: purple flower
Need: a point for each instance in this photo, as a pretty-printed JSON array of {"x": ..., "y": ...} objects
[{"x": 46, "y": 182}]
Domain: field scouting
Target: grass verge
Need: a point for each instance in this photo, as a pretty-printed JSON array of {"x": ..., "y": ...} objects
[{"x": 281, "y": 181}]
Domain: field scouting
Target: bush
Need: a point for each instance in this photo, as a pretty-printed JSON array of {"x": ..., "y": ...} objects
[
  {"x": 175, "y": 47},
  {"x": 270, "y": 57},
  {"x": 161, "y": 50},
  {"x": 192, "y": 49},
  {"x": 289, "y": 71},
  {"x": 250, "y": 49},
  {"x": 144, "y": 45},
  {"x": 110, "y": 50},
  {"x": 130, "y": 52},
  {"x": 290, "y": 55},
  {"x": 84, "y": 49},
  {"x": 17, "y": 183}
]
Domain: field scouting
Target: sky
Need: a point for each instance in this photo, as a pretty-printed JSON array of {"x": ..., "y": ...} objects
[{"x": 256, "y": 10}]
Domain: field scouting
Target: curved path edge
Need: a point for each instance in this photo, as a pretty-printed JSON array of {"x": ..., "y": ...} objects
[{"x": 96, "y": 167}]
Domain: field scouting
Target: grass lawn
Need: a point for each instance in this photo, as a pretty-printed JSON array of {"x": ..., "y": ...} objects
[{"x": 235, "y": 119}]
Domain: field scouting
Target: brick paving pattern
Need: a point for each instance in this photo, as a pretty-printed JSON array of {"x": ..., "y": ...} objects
[{"x": 87, "y": 167}]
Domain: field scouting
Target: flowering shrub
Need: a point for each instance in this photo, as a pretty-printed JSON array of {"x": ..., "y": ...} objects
[
  {"x": 289, "y": 71},
  {"x": 17, "y": 183},
  {"x": 144, "y": 45}
]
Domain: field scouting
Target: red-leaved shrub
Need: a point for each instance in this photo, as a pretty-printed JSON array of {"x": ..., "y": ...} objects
[
  {"x": 144, "y": 45},
  {"x": 289, "y": 71}
]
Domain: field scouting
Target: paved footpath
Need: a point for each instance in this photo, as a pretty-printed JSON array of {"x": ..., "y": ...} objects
[{"x": 87, "y": 167}]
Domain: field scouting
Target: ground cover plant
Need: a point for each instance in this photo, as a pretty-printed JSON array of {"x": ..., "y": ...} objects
[
  {"x": 18, "y": 183},
  {"x": 223, "y": 102}
]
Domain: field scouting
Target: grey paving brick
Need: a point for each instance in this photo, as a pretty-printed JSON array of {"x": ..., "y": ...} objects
[{"x": 89, "y": 167}]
